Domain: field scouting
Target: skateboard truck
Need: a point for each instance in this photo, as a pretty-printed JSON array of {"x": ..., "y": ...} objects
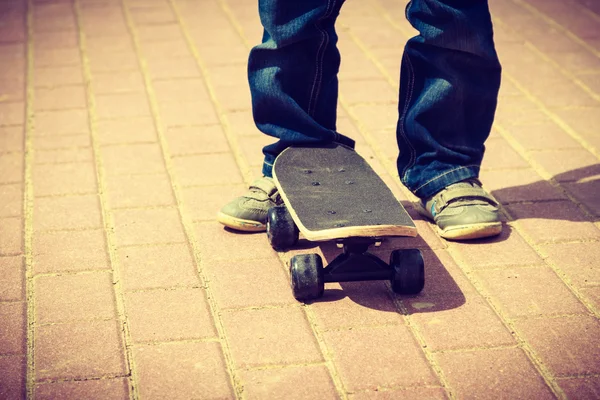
[{"x": 405, "y": 271}]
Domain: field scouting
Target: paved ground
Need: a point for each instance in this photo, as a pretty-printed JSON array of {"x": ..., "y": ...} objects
[{"x": 125, "y": 125}]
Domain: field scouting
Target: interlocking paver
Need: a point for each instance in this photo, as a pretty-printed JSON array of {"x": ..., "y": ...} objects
[
  {"x": 577, "y": 260},
  {"x": 152, "y": 226},
  {"x": 11, "y": 200},
  {"x": 62, "y": 251},
  {"x": 138, "y": 274},
  {"x": 169, "y": 315},
  {"x": 11, "y": 138},
  {"x": 369, "y": 358},
  {"x": 117, "y": 388},
  {"x": 13, "y": 372},
  {"x": 147, "y": 267},
  {"x": 133, "y": 159},
  {"x": 564, "y": 344},
  {"x": 66, "y": 298},
  {"x": 61, "y": 122},
  {"x": 289, "y": 383},
  {"x": 79, "y": 350},
  {"x": 196, "y": 370},
  {"x": 139, "y": 191},
  {"x": 11, "y": 239},
  {"x": 497, "y": 372},
  {"x": 12, "y": 278},
  {"x": 127, "y": 130},
  {"x": 65, "y": 156},
  {"x": 12, "y": 330},
  {"x": 61, "y": 179},
  {"x": 270, "y": 336},
  {"x": 525, "y": 292},
  {"x": 68, "y": 212},
  {"x": 196, "y": 140},
  {"x": 253, "y": 283}
]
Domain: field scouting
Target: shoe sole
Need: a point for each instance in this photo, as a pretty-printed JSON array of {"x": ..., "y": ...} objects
[
  {"x": 239, "y": 224},
  {"x": 471, "y": 231}
]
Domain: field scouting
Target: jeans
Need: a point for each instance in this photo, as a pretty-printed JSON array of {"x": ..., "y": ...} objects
[{"x": 449, "y": 82}]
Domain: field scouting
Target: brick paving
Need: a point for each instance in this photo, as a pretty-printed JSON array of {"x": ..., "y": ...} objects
[{"x": 125, "y": 125}]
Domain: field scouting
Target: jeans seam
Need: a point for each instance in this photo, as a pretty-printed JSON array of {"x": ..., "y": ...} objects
[
  {"x": 319, "y": 64},
  {"x": 446, "y": 173},
  {"x": 411, "y": 86}
]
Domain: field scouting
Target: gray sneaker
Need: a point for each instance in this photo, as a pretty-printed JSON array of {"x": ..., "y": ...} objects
[
  {"x": 463, "y": 210},
  {"x": 249, "y": 212}
]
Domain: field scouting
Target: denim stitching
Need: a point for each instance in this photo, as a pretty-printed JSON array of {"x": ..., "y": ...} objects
[
  {"x": 320, "y": 56},
  {"x": 411, "y": 87},
  {"x": 445, "y": 173}
]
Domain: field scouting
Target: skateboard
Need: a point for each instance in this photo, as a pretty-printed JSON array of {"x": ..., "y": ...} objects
[{"x": 330, "y": 193}]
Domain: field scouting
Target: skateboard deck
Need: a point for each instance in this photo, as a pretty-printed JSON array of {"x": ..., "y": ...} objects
[{"x": 332, "y": 193}]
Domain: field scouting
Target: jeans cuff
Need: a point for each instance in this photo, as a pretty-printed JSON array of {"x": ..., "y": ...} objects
[
  {"x": 267, "y": 169},
  {"x": 446, "y": 179}
]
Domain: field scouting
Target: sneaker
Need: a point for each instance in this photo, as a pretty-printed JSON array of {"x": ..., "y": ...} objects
[
  {"x": 463, "y": 210},
  {"x": 249, "y": 212}
]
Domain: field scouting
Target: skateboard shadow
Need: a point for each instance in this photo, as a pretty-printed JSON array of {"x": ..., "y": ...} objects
[{"x": 441, "y": 292}]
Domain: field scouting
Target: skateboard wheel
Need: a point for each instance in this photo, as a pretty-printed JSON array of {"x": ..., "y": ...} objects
[
  {"x": 408, "y": 271},
  {"x": 307, "y": 276},
  {"x": 282, "y": 232}
]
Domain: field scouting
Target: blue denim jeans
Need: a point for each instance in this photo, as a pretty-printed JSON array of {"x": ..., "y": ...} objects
[{"x": 449, "y": 82}]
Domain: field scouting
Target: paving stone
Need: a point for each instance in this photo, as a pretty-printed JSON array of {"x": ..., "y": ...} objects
[
  {"x": 411, "y": 393},
  {"x": 204, "y": 202},
  {"x": 68, "y": 212},
  {"x": 507, "y": 249},
  {"x": 169, "y": 315},
  {"x": 62, "y": 179},
  {"x": 196, "y": 140},
  {"x": 200, "y": 170},
  {"x": 568, "y": 346},
  {"x": 124, "y": 82},
  {"x": 79, "y": 350},
  {"x": 139, "y": 191},
  {"x": 496, "y": 372},
  {"x": 11, "y": 237},
  {"x": 368, "y": 358},
  {"x": 63, "y": 251},
  {"x": 526, "y": 185},
  {"x": 13, "y": 376},
  {"x": 534, "y": 291},
  {"x": 12, "y": 113},
  {"x": 12, "y": 278},
  {"x": 83, "y": 154},
  {"x": 580, "y": 388},
  {"x": 12, "y": 138},
  {"x": 13, "y": 330},
  {"x": 156, "y": 266},
  {"x": 577, "y": 260},
  {"x": 133, "y": 159},
  {"x": 196, "y": 370},
  {"x": 60, "y": 98},
  {"x": 252, "y": 283},
  {"x": 121, "y": 105},
  {"x": 65, "y": 298},
  {"x": 11, "y": 200},
  {"x": 289, "y": 383},
  {"x": 553, "y": 222},
  {"x": 216, "y": 243},
  {"x": 115, "y": 388},
  {"x": 11, "y": 168},
  {"x": 355, "y": 304},
  {"x": 135, "y": 227},
  {"x": 127, "y": 131},
  {"x": 61, "y": 122},
  {"x": 270, "y": 336},
  {"x": 440, "y": 318}
]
